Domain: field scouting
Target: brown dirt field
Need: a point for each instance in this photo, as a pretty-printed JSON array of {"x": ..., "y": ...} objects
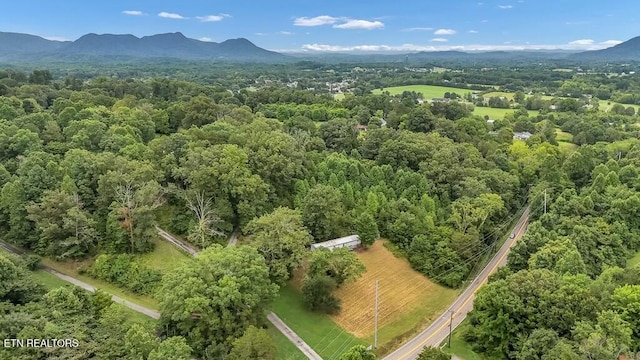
[{"x": 406, "y": 298}]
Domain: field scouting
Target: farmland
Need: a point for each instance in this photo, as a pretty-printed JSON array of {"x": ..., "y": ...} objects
[
  {"x": 428, "y": 91},
  {"x": 407, "y": 299}
]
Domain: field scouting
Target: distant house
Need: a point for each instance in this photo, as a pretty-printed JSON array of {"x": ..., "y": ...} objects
[
  {"x": 490, "y": 121},
  {"x": 440, "y": 100},
  {"x": 350, "y": 242},
  {"x": 522, "y": 135},
  {"x": 361, "y": 127}
]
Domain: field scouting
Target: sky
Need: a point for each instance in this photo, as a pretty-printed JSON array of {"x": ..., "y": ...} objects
[{"x": 341, "y": 25}]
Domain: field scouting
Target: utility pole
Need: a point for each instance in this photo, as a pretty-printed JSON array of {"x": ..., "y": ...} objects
[
  {"x": 545, "y": 201},
  {"x": 375, "y": 321},
  {"x": 450, "y": 326},
  {"x": 619, "y": 155}
]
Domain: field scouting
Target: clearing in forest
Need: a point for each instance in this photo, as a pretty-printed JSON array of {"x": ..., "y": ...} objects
[
  {"x": 428, "y": 91},
  {"x": 408, "y": 301}
]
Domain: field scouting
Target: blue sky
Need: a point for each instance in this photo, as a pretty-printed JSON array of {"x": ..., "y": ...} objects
[{"x": 341, "y": 25}]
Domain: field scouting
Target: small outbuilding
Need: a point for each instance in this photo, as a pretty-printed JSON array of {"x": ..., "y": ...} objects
[{"x": 350, "y": 242}]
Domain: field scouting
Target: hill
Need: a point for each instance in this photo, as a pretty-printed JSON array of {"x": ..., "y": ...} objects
[
  {"x": 628, "y": 50},
  {"x": 14, "y": 46}
]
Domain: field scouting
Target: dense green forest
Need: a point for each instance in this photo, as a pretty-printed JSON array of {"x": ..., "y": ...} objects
[{"x": 90, "y": 165}]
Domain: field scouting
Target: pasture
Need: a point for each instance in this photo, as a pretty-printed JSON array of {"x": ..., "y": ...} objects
[
  {"x": 408, "y": 301},
  {"x": 427, "y": 91},
  {"x": 496, "y": 114}
]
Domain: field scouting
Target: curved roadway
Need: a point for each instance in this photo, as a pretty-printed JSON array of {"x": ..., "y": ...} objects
[{"x": 438, "y": 331}]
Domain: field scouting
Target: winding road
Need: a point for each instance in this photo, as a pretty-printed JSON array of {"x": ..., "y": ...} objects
[
  {"x": 438, "y": 331},
  {"x": 139, "y": 308}
]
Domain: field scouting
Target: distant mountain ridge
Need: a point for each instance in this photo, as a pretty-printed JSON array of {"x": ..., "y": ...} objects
[
  {"x": 171, "y": 45},
  {"x": 628, "y": 50},
  {"x": 16, "y": 47}
]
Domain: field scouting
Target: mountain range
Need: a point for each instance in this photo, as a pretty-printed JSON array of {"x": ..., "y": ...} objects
[{"x": 15, "y": 47}]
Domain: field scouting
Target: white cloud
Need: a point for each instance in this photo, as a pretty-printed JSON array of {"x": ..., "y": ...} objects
[
  {"x": 445, "y": 32},
  {"x": 582, "y": 42},
  {"x": 611, "y": 42},
  {"x": 473, "y": 31},
  {"x": 213, "y": 18},
  {"x": 315, "y": 21},
  {"x": 133, "y": 12},
  {"x": 418, "y": 29},
  {"x": 505, "y": 6},
  {"x": 360, "y": 24},
  {"x": 471, "y": 47},
  {"x": 285, "y": 33},
  {"x": 439, "y": 40},
  {"x": 261, "y": 34},
  {"x": 206, "y": 39},
  {"x": 168, "y": 15}
]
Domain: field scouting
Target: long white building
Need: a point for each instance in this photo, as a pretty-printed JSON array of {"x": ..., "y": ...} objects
[{"x": 350, "y": 242}]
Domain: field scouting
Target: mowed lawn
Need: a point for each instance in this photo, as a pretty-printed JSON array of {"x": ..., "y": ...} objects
[
  {"x": 428, "y": 91},
  {"x": 408, "y": 301},
  {"x": 164, "y": 257},
  {"x": 318, "y": 330},
  {"x": 285, "y": 348}
]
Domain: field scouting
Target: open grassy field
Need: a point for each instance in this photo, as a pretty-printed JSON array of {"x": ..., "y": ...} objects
[
  {"x": 605, "y": 105},
  {"x": 318, "y": 330},
  {"x": 562, "y": 136},
  {"x": 164, "y": 257},
  {"x": 634, "y": 261},
  {"x": 495, "y": 113},
  {"x": 428, "y": 91},
  {"x": 407, "y": 300}
]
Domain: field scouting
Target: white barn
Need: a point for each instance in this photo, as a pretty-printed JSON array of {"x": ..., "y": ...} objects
[{"x": 350, "y": 242}]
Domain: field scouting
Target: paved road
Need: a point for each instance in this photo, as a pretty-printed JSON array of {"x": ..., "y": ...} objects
[
  {"x": 190, "y": 249},
  {"x": 139, "y": 308},
  {"x": 272, "y": 317},
  {"x": 438, "y": 331}
]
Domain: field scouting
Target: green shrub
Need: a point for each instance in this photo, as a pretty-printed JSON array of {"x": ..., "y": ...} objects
[{"x": 124, "y": 271}]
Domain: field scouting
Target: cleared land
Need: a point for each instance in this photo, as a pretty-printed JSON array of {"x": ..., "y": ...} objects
[
  {"x": 318, "y": 330},
  {"x": 165, "y": 256},
  {"x": 407, "y": 299},
  {"x": 431, "y": 91},
  {"x": 428, "y": 91},
  {"x": 495, "y": 113}
]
